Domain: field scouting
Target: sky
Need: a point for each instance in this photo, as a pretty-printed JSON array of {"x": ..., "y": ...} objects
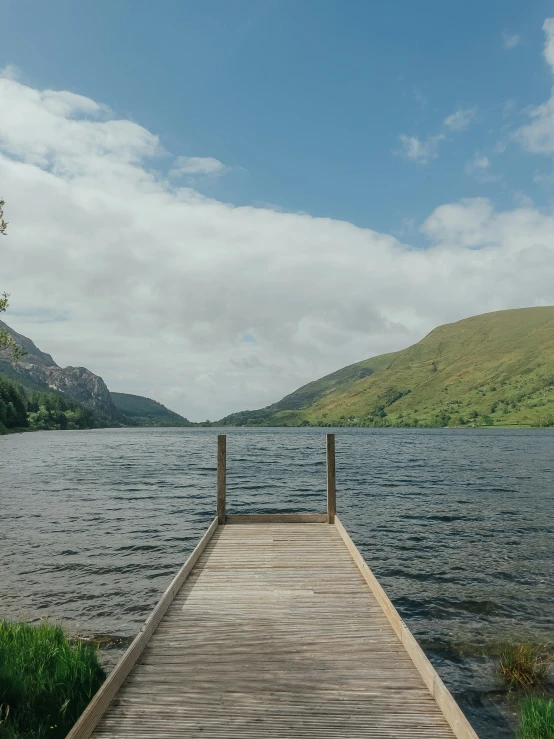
[{"x": 214, "y": 203}]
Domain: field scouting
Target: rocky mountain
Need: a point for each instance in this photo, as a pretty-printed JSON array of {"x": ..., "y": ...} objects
[
  {"x": 492, "y": 369},
  {"x": 38, "y": 371},
  {"x": 34, "y": 355}
]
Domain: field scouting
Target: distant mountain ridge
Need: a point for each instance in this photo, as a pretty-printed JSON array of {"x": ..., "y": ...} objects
[
  {"x": 147, "y": 412},
  {"x": 492, "y": 369},
  {"x": 37, "y": 370}
]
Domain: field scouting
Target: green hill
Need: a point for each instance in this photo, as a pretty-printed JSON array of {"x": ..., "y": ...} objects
[
  {"x": 493, "y": 369},
  {"x": 146, "y": 412}
]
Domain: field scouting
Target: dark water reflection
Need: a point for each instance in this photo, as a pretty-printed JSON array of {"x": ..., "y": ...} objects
[{"x": 457, "y": 525}]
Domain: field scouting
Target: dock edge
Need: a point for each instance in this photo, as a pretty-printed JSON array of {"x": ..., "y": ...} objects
[
  {"x": 450, "y": 709},
  {"x": 92, "y": 714}
]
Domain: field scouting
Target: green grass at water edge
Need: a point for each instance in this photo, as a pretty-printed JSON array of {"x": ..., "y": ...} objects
[
  {"x": 46, "y": 681},
  {"x": 537, "y": 719}
]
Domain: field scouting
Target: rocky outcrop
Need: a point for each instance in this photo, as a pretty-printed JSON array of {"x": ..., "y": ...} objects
[
  {"x": 34, "y": 356},
  {"x": 38, "y": 370},
  {"x": 81, "y": 385}
]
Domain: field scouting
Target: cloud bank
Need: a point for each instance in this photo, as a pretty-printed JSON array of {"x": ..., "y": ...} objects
[{"x": 212, "y": 308}]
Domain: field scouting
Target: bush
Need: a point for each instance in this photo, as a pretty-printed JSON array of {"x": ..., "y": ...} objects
[
  {"x": 525, "y": 665},
  {"x": 537, "y": 719},
  {"x": 545, "y": 421},
  {"x": 46, "y": 681}
]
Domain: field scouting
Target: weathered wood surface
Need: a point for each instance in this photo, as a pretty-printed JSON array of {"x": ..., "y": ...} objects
[
  {"x": 277, "y": 518},
  {"x": 221, "y": 477},
  {"x": 275, "y": 633},
  {"x": 102, "y": 699},
  {"x": 331, "y": 479}
]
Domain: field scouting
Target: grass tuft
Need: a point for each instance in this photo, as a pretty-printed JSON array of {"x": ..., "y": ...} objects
[
  {"x": 46, "y": 681},
  {"x": 537, "y": 719},
  {"x": 525, "y": 665}
]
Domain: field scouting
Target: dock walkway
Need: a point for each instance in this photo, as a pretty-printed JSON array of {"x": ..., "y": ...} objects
[{"x": 275, "y": 628}]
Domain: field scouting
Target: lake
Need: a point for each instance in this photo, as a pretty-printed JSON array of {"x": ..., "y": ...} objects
[{"x": 457, "y": 525}]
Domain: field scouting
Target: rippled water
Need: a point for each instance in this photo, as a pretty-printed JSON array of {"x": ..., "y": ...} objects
[{"x": 457, "y": 525}]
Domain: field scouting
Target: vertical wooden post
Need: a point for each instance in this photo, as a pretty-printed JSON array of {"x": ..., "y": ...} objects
[
  {"x": 331, "y": 480},
  {"x": 221, "y": 477}
]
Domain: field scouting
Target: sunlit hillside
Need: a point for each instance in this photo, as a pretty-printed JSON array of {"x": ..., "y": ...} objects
[{"x": 493, "y": 369}]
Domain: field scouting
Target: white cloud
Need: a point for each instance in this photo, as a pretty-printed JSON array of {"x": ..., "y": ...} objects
[
  {"x": 515, "y": 235},
  {"x": 211, "y": 308},
  {"x": 477, "y": 164},
  {"x": 197, "y": 165},
  {"x": 69, "y": 133},
  {"x": 548, "y": 51},
  {"x": 422, "y": 151},
  {"x": 543, "y": 178},
  {"x": 461, "y": 120},
  {"x": 510, "y": 40},
  {"x": 479, "y": 167},
  {"x": 538, "y": 135},
  {"x": 11, "y": 72},
  {"x": 417, "y": 150},
  {"x": 481, "y": 162}
]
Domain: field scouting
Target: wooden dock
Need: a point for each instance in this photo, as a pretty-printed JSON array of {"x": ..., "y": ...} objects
[{"x": 274, "y": 627}]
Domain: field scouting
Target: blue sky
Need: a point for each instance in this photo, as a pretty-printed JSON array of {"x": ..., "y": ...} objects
[
  {"x": 306, "y": 100},
  {"x": 212, "y": 203}
]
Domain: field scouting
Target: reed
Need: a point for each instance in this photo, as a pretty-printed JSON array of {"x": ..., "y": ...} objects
[
  {"x": 537, "y": 719},
  {"x": 46, "y": 680}
]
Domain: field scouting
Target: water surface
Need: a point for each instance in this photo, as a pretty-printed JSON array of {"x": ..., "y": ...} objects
[{"x": 456, "y": 524}]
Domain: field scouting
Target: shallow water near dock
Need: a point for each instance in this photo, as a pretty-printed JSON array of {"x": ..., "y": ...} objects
[{"x": 457, "y": 524}]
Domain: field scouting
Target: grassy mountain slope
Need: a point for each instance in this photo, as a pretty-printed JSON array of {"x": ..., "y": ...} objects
[
  {"x": 497, "y": 368},
  {"x": 147, "y": 412}
]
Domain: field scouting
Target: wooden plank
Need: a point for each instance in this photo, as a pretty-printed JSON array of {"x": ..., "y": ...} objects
[
  {"x": 100, "y": 702},
  {"x": 331, "y": 480},
  {"x": 273, "y": 635},
  {"x": 276, "y": 518},
  {"x": 452, "y": 712},
  {"x": 221, "y": 477},
  {"x": 269, "y": 631}
]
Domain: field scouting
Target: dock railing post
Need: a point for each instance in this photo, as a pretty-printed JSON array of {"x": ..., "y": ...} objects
[
  {"x": 331, "y": 480},
  {"x": 221, "y": 477}
]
